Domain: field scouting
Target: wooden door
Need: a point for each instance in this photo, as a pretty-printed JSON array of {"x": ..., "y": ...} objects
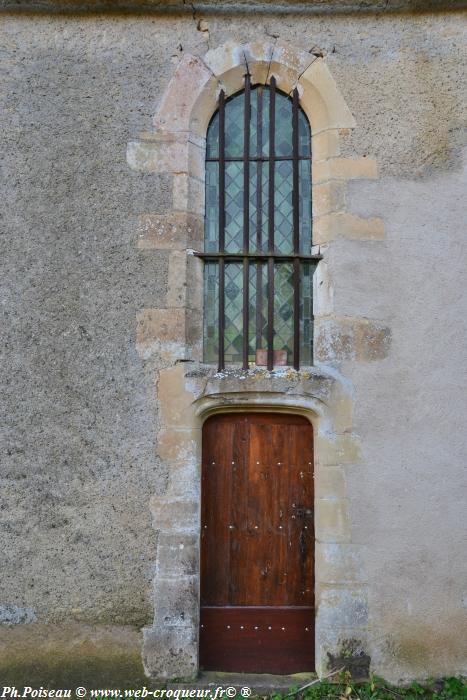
[{"x": 257, "y": 544}]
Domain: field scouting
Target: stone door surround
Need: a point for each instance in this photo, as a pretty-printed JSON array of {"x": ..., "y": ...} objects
[{"x": 169, "y": 341}]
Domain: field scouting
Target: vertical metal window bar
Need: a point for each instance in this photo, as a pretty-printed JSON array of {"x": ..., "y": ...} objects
[
  {"x": 221, "y": 228},
  {"x": 246, "y": 221},
  {"x": 296, "y": 233},
  {"x": 259, "y": 217},
  {"x": 272, "y": 129}
]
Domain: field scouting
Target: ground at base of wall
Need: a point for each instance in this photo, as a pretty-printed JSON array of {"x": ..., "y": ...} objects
[
  {"x": 378, "y": 689},
  {"x": 307, "y": 686},
  {"x": 226, "y": 685}
]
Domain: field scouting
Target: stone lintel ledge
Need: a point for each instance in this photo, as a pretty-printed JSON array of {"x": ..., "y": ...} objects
[{"x": 212, "y": 7}]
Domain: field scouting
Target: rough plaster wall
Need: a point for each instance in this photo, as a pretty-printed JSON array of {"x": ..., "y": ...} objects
[
  {"x": 78, "y": 461},
  {"x": 78, "y": 453},
  {"x": 410, "y": 415}
]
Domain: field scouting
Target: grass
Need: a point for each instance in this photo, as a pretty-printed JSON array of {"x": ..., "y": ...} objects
[{"x": 378, "y": 689}]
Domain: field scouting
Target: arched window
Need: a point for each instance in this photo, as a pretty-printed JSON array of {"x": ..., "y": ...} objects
[{"x": 258, "y": 261}]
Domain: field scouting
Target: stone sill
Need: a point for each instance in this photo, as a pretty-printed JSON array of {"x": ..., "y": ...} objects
[{"x": 260, "y": 683}]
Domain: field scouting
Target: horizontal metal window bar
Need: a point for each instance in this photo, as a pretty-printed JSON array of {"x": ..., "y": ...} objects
[
  {"x": 256, "y": 256},
  {"x": 263, "y": 159}
]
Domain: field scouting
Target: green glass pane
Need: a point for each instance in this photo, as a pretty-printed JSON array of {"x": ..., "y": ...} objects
[
  {"x": 283, "y": 309},
  {"x": 233, "y": 313},
  {"x": 283, "y": 206},
  {"x": 253, "y": 204},
  {"x": 212, "y": 138},
  {"x": 234, "y": 126},
  {"x": 211, "y": 312},
  {"x": 258, "y": 314},
  {"x": 304, "y": 134},
  {"x": 283, "y": 130},
  {"x": 233, "y": 207},
  {"x": 254, "y": 122},
  {"x": 211, "y": 221},
  {"x": 305, "y": 206},
  {"x": 306, "y": 313},
  {"x": 259, "y": 198},
  {"x": 259, "y": 121}
]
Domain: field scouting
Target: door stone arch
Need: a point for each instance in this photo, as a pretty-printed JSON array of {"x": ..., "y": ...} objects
[{"x": 169, "y": 339}]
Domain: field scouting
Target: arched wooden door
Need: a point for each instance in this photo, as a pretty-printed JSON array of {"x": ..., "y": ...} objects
[{"x": 257, "y": 544}]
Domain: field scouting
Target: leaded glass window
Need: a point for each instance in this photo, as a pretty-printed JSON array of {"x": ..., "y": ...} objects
[{"x": 258, "y": 255}]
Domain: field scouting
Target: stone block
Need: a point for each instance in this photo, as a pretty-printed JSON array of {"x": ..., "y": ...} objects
[
  {"x": 170, "y": 652},
  {"x": 338, "y": 563},
  {"x": 336, "y": 642},
  {"x": 188, "y": 194},
  {"x": 342, "y": 224},
  {"x": 328, "y": 197},
  {"x": 195, "y": 282},
  {"x": 176, "y": 283},
  {"x": 323, "y": 290},
  {"x": 175, "y": 515},
  {"x": 372, "y": 341},
  {"x": 176, "y": 446},
  {"x": 194, "y": 333},
  {"x": 161, "y": 331},
  {"x": 334, "y": 340},
  {"x": 225, "y": 57},
  {"x": 324, "y": 145},
  {"x": 258, "y": 55},
  {"x": 334, "y": 450},
  {"x": 342, "y": 607},
  {"x": 340, "y": 339},
  {"x": 322, "y": 99},
  {"x": 230, "y": 62},
  {"x": 191, "y": 77},
  {"x": 344, "y": 169},
  {"x": 329, "y": 482},
  {"x": 177, "y": 555},
  {"x": 166, "y": 152},
  {"x": 173, "y": 231},
  {"x": 332, "y": 522},
  {"x": 176, "y": 601},
  {"x": 287, "y": 64},
  {"x": 176, "y": 401}
]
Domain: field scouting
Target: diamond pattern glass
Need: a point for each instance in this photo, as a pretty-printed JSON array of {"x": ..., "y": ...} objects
[
  {"x": 211, "y": 220},
  {"x": 283, "y": 207},
  {"x": 234, "y": 124},
  {"x": 283, "y": 130},
  {"x": 258, "y": 330},
  {"x": 306, "y": 313},
  {"x": 211, "y": 311},
  {"x": 283, "y": 309},
  {"x": 233, "y": 207},
  {"x": 258, "y": 202},
  {"x": 304, "y": 205},
  {"x": 234, "y": 312}
]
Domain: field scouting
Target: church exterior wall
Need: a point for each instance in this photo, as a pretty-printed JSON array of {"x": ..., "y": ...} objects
[{"x": 103, "y": 390}]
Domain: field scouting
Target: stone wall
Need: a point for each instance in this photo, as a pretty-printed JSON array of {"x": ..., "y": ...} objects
[{"x": 90, "y": 292}]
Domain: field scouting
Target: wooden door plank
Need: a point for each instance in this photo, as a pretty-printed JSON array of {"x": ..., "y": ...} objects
[{"x": 257, "y": 639}]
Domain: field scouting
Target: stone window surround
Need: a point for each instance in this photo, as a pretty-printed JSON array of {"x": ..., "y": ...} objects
[{"x": 169, "y": 339}]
